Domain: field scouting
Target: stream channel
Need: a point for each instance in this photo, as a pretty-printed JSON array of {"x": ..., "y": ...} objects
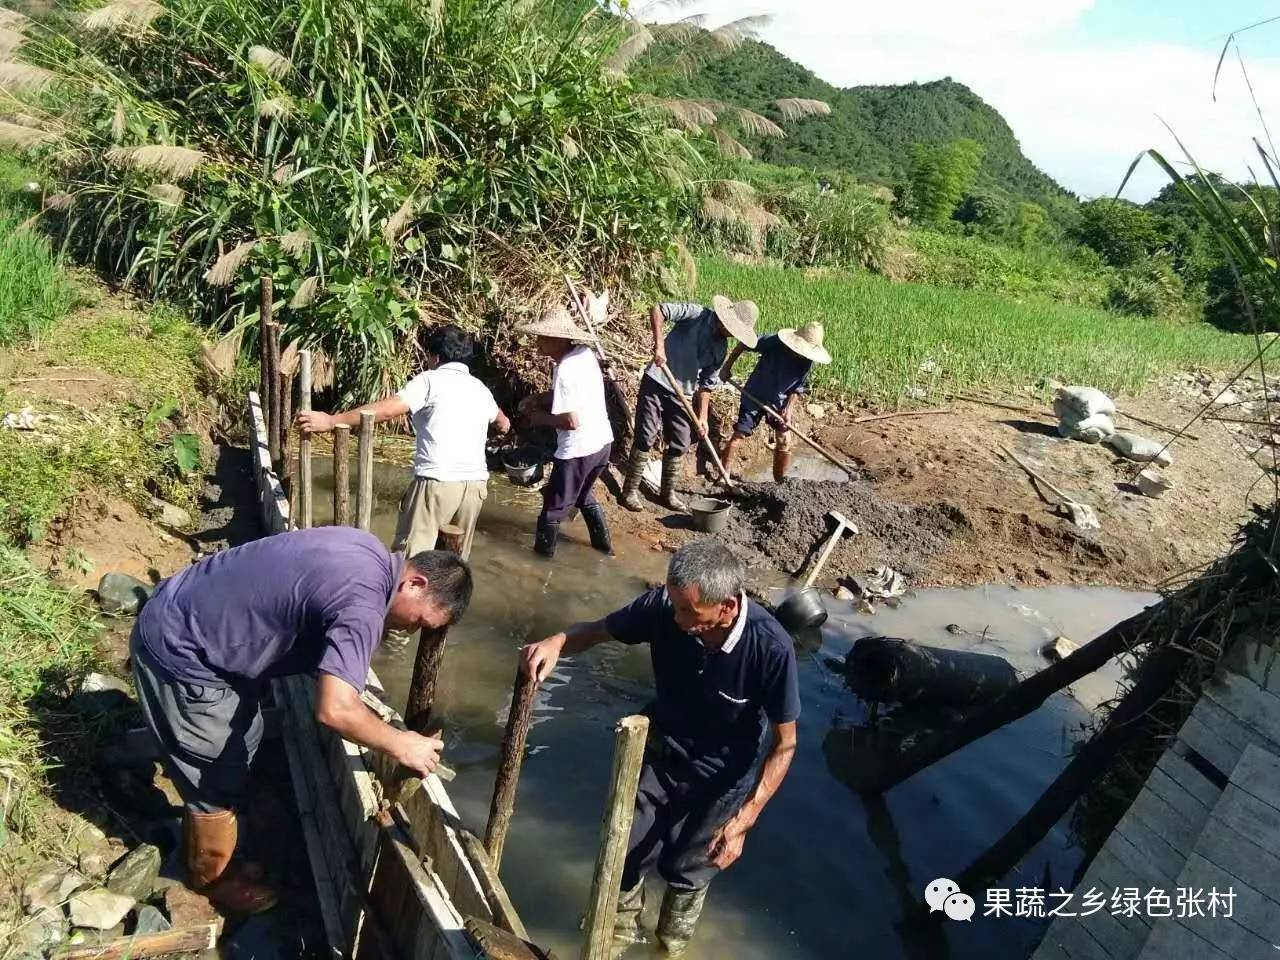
[{"x": 825, "y": 873}]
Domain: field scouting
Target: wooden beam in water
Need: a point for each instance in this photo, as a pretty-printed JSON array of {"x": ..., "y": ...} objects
[
  {"x": 183, "y": 940},
  {"x": 426, "y": 674},
  {"x": 364, "y": 473},
  {"x": 508, "y": 780},
  {"x": 341, "y": 476},
  {"x": 628, "y": 756},
  {"x": 304, "y": 441}
]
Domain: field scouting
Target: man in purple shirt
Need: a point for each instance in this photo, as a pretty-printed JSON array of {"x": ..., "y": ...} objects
[{"x": 310, "y": 601}]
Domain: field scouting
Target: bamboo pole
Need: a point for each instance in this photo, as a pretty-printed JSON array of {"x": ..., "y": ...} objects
[
  {"x": 286, "y": 409},
  {"x": 341, "y": 476},
  {"x": 304, "y": 442},
  {"x": 265, "y": 374},
  {"x": 508, "y": 780},
  {"x": 364, "y": 473},
  {"x": 181, "y": 941},
  {"x": 628, "y": 755}
]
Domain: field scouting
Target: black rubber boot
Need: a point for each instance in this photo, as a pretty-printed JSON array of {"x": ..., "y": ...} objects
[
  {"x": 679, "y": 918},
  {"x": 631, "y": 485},
  {"x": 544, "y": 543},
  {"x": 626, "y": 925},
  {"x": 670, "y": 471},
  {"x": 598, "y": 528}
]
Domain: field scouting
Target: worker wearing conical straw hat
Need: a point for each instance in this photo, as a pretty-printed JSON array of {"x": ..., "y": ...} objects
[
  {"x": 779, "y": 379},
  {"x": 692, "y": 353},
  {"x": 575, "y": 407}
]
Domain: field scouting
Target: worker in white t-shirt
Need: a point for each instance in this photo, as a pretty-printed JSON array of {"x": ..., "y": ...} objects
[
  {"x": 452, "y": 412},
  {"x": 575, "y": 406}
]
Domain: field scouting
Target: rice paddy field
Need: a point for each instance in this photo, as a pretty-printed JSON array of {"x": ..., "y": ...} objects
[{"x": 891, "y": 340}]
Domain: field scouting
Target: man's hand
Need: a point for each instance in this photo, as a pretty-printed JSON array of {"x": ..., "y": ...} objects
[
  {"x": 313, "y": 421},
  {"x": 420, "y": 754},
  {"x": 537, "y": 660},
  {"x": 727, "y": 842}
]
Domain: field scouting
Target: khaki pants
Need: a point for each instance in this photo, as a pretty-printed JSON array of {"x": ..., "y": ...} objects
[{"x": 430, "y": 504}]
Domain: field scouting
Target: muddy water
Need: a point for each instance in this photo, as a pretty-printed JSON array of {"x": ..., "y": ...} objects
[{"x": 825, "y": 873}]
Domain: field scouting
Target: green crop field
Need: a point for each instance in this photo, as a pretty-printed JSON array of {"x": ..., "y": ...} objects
[{"x": 883, "y": 334}]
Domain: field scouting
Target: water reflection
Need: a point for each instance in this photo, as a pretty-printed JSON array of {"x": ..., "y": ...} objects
[{"x": 826, "y": 873}]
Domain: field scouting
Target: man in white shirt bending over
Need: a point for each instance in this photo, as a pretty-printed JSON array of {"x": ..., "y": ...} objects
[
  {"x": 576, "y": 408},
  {"x": 452, "y": 412}
]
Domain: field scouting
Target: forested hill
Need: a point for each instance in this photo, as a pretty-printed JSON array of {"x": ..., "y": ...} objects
[{"x": 872, "y": 128}]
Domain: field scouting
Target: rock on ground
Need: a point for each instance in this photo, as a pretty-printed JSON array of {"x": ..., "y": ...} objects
[
  {"x": 136, "y": 873},
  {"x": 169, "y": 514},
  {"x": 187, "y": 908},
  {"x": 33, "y": 936},
  {"x": 99, "y": 909},
  {"x": 150, "y": 920},
  {"x": 100, "y": 694},
  {"x": 52, "y": 887},
  {"x": 120, "y": 595}
]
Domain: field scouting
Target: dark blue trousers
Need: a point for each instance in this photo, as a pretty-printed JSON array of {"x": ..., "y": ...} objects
[{"x": 673, "y": 825}]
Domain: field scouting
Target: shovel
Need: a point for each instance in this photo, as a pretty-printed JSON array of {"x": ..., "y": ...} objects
[
  {"x": 1081, "y": 514},
  {"x": 803, "y": 610}
]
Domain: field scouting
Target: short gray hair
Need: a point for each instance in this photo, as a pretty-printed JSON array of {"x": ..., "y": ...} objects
[{"x": 709, "y": 564}]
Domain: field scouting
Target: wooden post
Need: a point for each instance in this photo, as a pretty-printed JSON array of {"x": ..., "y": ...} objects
[
  {"x": 364, "y": 473},
  {"x": 289, "y": 482},
  {"x": 426, "y": 671},
  {"x": 504, "y": 788},
  {"x": 266, "y": 376},
  {"x": 450, "y": 538},
  {"x": 341, "y": 477},
  {"x": 628, "y": 755},
  {"x": 286, "y": 409},
  {"x": 304, "y": 441}
]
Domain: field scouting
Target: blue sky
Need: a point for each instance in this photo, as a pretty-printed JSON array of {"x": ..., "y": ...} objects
[{"x": 1085, "y": 84}]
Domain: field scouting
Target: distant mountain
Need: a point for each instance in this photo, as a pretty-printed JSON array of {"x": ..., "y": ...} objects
[{"x": 872, "y": 128}]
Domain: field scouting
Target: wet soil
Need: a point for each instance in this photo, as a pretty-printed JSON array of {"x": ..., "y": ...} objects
[{"x": 936, "y": 498}]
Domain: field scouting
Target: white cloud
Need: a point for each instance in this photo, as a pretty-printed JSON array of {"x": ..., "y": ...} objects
[{"x": 1081, "y": 112}]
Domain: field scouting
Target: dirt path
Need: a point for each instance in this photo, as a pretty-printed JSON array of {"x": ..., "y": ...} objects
[{"x": 938, "y": 500}]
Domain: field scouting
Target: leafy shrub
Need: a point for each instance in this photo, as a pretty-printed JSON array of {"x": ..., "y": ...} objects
[
  {"x": 1150, "y": 288},
  {"x": 390, "y": 154}
]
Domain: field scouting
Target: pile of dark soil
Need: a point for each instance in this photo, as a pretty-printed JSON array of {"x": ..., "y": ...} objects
[{"x": 786, "y": 525}]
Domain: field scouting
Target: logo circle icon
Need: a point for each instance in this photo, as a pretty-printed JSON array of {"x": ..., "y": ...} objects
[
  {"x": 937, "y": 892},
  {"x": 959, "y": 906}
]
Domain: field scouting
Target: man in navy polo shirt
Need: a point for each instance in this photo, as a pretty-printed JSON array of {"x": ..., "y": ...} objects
[{"x": 724, "y": 669}]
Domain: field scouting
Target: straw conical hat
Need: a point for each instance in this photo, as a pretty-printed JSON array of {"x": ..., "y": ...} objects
[
  {"x": 738, "y": 318},
  {"x": 807, "y": 341},
  {"x": 556, "y": 322}
]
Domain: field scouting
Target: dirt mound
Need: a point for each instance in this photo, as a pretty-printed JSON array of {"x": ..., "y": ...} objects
[{"x": 786, "y": 526}]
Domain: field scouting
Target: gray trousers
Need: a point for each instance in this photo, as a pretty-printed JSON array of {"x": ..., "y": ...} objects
[
  {"x": 208, "y": 735},
  {"x": 659, "y": 413}
]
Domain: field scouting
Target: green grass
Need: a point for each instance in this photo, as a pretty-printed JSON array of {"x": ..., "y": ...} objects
[
  {"x": 881, "y": 333},
  {"x": 47, "y": 644},
  {"x": 34, "y": 293}
]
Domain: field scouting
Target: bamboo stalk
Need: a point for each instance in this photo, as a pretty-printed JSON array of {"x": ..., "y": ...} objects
[
  {"x": 304, "y": 442},
  {"x": 341, "y": 476},
  {"x": 902, "y": 413},
  {"x": 508, "y": 780},
  {"x": 619, "y": 809},
  {"x": 364, "y": 473},
  {"x": 286, "y": 409}
]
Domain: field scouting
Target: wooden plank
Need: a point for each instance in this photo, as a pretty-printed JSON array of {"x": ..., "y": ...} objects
[
  {"x": 1075, "y": 941},
  {"x": 1254, "y": 912},
  {"x": 1167, "y": 822},
  {"x": 424, "y": 889},
  {"x": 1152, "y": 845},
  {"x": 1119, "y": 937},
  {"x": 1049, "y": 950},
  {"x": 1255, "y": 865},
  {"x": 1172, "y": 941},
  {"x": 1133, "y": 864},
  {"x": 1254, "y": 708},
  {"x": 1229, "y": 727},
  {"x": 304, "y": 792},
  {"x": 1186, "y": 804},
  {"x": 1258, "y": 772},
  {"x": 1189, "y": 778},
  {"x": 1207, "y": 742}
]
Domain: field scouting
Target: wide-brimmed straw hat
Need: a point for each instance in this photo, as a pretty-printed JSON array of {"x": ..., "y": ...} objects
[
  {"x": 807, "y": 341},
  {"x": 556, "y": 322},
  {"x": 738, "y": 318}
]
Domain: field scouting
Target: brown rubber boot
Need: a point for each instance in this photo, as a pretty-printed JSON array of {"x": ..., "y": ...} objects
[
  {"x": 670, "y": 472},
  {"x": 781, "y": 462},
  {"x": 210, "y": 842},
  {"x": 631, "y": 485},
  {"x": 729, "y": 452},
  {"x": 679, "y": 917}
]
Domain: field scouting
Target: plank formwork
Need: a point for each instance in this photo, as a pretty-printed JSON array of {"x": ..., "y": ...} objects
[{"x": 389, "y": 855}]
